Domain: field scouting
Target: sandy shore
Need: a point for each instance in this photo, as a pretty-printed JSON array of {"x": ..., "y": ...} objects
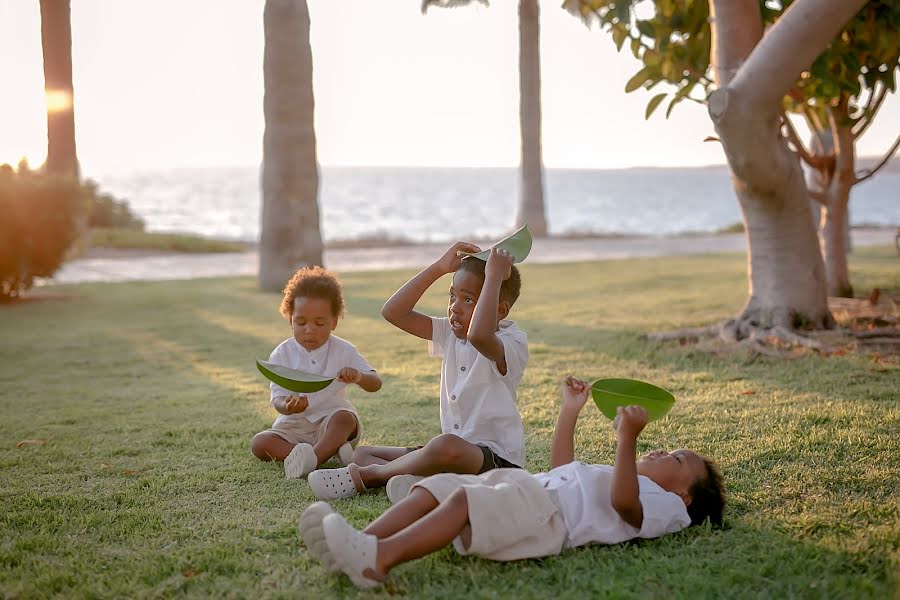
[{"x": 128, "y": 265}]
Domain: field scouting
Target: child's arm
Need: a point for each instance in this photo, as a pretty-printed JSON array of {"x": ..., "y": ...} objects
[
  {"x": 629, "y": 423},
  {"x": 483, "y": 328},
  {"x": 574, "y": 395},
  {"x": 399, "y": 309},
  {"x": 369, "y": 380}
]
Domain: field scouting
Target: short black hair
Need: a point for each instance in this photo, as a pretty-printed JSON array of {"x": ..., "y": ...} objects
[
  {"x": 511, "y": 286},
  {"x": 707, "y": 496}
]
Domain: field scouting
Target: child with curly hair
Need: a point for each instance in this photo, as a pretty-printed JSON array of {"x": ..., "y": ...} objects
[{"x": 311, "y": 428}]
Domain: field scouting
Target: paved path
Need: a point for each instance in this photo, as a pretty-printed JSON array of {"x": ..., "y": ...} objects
[{"x": 159, "y": 267}]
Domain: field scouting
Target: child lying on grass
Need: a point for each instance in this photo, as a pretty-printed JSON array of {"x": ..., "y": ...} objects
[{"x": 509, "y": 514}]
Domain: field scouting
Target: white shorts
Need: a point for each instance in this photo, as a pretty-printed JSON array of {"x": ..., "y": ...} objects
[
  {"x": 511, "y": 516},
  {"x": 303, "y": 430}
]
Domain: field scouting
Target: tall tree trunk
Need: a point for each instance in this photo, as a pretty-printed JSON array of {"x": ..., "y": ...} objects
[
  {"x": 786, "y": 274},
  {"x": 834, "y": 224},
  {"x": 531, "y": 189},
  {"x": 56, "y": 44},
  {"x": 290, "y": 236}
]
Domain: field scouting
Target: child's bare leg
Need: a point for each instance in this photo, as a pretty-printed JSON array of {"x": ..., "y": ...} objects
[
  {"x": 446, "y": 453},
  {"x": 416, "y": 505},
  {"x": 341, "y": 428},
  {"x": 377, "y": 455},
  {"x": 427, "y": 534},
  {"x": 268, "y": 446}
]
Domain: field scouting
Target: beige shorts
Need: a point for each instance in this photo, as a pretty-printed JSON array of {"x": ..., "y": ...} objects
[
  {"x": 308, "y": 432},
  {"x": 511, "y": 516}
]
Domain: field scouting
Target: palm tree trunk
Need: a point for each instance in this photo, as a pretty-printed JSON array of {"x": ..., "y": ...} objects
[
  {"x": 56, "y": 44},
  {"x": 786, "y": 276},
  {"x": 290, "y": 237},
  {"x": 531, "y": 190}
]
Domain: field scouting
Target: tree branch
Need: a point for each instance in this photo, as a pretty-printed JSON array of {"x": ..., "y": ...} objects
[
  {"x": 818, "y": 197},
  {"x": 813, "y": 161},
  {"x": 788, "y": 48},
  {"x": 812, "y": 118},
  {"x": 870, "y": 112},
  {"x": 865, "y": 174}
]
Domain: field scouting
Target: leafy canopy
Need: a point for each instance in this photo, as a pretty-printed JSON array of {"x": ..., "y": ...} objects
[{"x": 672, "y": 38}]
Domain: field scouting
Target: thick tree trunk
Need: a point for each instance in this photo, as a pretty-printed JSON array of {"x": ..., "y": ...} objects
[
  {"x": 786, "y": 274},
  {"x": 290, "y": 235},
  {"x": 56, "y": 43},
  {"x": 531, "y": 190}
]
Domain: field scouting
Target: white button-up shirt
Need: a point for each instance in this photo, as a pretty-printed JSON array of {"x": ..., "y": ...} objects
[
  {"x": 583, "y": 494},
  {"x": 478, "y": 403},
  {"x": 327, "y": 360}
]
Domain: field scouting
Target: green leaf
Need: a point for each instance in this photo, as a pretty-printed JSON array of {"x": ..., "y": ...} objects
[
  {"x": 619, "y": 34},
  {"x": 637, "y": 80},
  {"x": 609, "y": 394},
  {"x": 646, "y": 28},
  {"x": 518, "y": 244},
  {"x": 636, "y": 47},
  {"x": 654, "y": 102},
  {"x": 292, "y": 379}
]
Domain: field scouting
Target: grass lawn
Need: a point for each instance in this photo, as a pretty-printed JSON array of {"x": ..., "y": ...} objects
[{"x": 146, "y": 396}]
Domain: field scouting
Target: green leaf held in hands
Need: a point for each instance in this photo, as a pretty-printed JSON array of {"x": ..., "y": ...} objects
[
  {"x": 292, "y": 379},
  {"x": 518, "y": 244},
  {"x": 609, "y": 394}
]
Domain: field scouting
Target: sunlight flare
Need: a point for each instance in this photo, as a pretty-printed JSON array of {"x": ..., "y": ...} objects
[{"x": 58, "y": 100}]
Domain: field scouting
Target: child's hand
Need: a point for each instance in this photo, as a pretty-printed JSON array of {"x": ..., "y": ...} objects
[
  {"x": 575, "y": 393},
  {"x": 295, "y": 404},
  {"x": 629, "y": 421},
  {"x": 449, "y": 262},
  {"x": 499, "y": 264},
  {"x": 349, "y": 375}
]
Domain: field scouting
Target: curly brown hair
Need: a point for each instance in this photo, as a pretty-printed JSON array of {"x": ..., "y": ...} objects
[{"x": 313, "y": 282}]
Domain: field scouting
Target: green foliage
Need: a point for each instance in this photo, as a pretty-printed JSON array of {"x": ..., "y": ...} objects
[
  {"x": 674, "y": 43},
  {"x": 39, "y": 225},
  {"x": 106, "y": 211}
]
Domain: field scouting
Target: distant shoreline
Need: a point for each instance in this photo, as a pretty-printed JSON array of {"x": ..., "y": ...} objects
[{"x": 386, "y": 243}]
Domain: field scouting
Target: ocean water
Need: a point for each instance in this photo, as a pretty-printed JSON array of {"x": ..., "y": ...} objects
[{"x": 444, "y": 204}]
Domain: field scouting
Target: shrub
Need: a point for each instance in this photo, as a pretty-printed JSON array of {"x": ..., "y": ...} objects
[
  {"x": 108, "y": 213},
  {"x": 38, "y": 226}
]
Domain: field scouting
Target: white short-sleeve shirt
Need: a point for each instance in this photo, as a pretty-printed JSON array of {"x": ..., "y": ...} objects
[
  {"x": 328, "y": 360},
  {"x": 478, "y": 403},
  {"x": 584, "y": 498}
]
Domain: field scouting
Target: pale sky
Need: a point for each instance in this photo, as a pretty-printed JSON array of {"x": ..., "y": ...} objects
[{"x": 178, "y": 83}]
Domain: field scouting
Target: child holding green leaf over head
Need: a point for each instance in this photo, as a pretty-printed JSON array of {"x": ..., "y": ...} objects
[
  {"x": 313, "y": 427},
  {"x": 509, "y": 514},
  {"x": 483, "y": 359}
]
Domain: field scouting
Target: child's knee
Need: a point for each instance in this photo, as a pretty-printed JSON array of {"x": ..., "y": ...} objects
[
  {"x": 362, "y": 456},
  {"x": 259, "y": 446},
  {"x": 447, "y": 448},
  {"x": 343, "y": 419}
]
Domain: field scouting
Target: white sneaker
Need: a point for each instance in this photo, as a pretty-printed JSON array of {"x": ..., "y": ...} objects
[
  {"x": 300, "y": 462},
  {"x": 332, "y": 484},
  {"x": 313, "y": 536},
  {"x": 398, "y": 486},
  {"x": 353, "y": 550},
  {"x": 344, "y": 454}
]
